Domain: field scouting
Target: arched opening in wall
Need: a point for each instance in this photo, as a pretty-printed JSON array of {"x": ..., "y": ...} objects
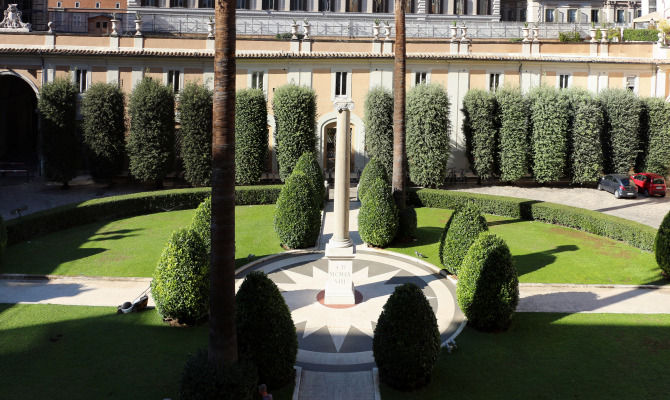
[
  {"x": 18, "y": 123},
  {"x": 328, "y": 151}
]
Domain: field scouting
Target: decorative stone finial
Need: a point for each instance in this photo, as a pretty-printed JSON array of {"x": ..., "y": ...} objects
[
  {"x": 12, "y": 20},
  {"x": 50, "y": 25}
]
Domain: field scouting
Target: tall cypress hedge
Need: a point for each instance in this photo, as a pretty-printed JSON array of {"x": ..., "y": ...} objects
[
  {"x": 587, "y": 151},
  {"x": 573, "y": 97},
  {"x": 251, "y": 136},
  {"x": 480, "y": 131},
  {"x": 195, "y": 112},
  {"x": 513, "y": 135},
  {"x": 657, "y": 146},
  {"x": 549, "y": 119},
  {"x": 379, "y": 127},
  {"x": 104, "y": 128},
  {"x": 151, "y": 140},
  {"x": 427, "y": 135},
  {"x": 621, "y": 134},
  {"x": 60, "y": 145},
  {"x": 294, "y": 110}
]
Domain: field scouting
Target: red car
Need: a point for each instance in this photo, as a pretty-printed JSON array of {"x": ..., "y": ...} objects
[{"x": 649, "y": 184}]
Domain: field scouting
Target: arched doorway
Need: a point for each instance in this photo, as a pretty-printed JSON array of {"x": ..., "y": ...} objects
[
  {"x": 328, "y": 150},
  {"x": 18, "y": 122}
]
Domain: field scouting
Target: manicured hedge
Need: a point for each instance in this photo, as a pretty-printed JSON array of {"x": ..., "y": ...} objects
[
  {"x": 549, "y": 116},
  {"x": 573, "y": 36},
  {"x": 662, "y": 245},
  {"x": 621, "y": 133},
  {"x": 251, "y": 135},
  {"x": 294, "y": 109},
  {"x": 427, "y": 134},
  {"x": 379, "y": 126},
  {"x": 460, "y": 231},
  {"x": 373, "y": 169},
  {"x": 640, "y": 35},
  {"x": 378, "y": 216},
  {"x": 514, "y": 146},
  {"x": 3, "y": 238},
  {"x": 657, "y": 135},
  {"x": 587, "y": 152},
  {"x": 115, "y": 207},
  {"x": 297, "y": 218},
  {"x": 195, "y": 114},
  {"x": 481, "y": 131},
  {"x": 633, "y": 233},
  {"x": 308, "y": 165}
]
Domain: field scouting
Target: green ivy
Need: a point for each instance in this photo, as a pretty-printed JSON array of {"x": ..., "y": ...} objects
[
  {"x": 427, "y": 135},
  {"x": 251, "y": 136},
  {"x": 195, "y": 113},
  {"x": 104, "y": 128},
  {"x": 481, "y": 131},
  {"x": 379, "y": 127},
  {"x": 640, "y": 35},
  {"x": 549, "y": 117},
  {"x": 514, "y": 147},
  {"x": 294, "y": 110}
]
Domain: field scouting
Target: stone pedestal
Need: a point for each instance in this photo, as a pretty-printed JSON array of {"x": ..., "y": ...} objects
[{"x": 340, "y": 287}]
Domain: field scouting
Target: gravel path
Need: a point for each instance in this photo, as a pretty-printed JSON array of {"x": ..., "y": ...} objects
[{"x": 647, "y": 210}]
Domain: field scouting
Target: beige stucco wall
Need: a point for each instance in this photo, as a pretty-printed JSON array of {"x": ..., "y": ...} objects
[
  {"x": 77, "y": 40},
  {"x": 193, "y": 75},
  {"x": 565, "y": 48},
  {"x": 478, "y": 79},
  {"x": 645, "y": 85},
  {"x": 321, "y": 85},
  {"x": 276, "y": 78},
  {"x": 241, "y": 79},
  {"x": 99, "y": 75},
  {"x": 30, "y": 40},
  {"x": 580, "y": 79},
  {"x": 440, "y": 76},
  {"x": 511, "y": 78},
  {"x": 615, "y": 80},
  {"x": 548, "y": 78},
  {"x": 172, "y": 43}
]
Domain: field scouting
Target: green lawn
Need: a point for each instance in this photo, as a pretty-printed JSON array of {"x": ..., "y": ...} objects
[
  {"x": 555, "y": 356},
  {"x": 548, "y": 253},
  {"x": 73, "y": 352},
  {"x": 132, "y": 246}
]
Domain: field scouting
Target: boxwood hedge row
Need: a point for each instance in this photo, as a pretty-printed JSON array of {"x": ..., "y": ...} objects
[
  {"x": 109, "y": 208},
  {"x": 633, "y": 233},
  {"x": 480, "y": 131}
]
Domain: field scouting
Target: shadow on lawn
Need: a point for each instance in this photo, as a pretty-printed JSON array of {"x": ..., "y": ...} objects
[
  {"x": 528, "y": 263},
  {"x": 425, "y": 235}
]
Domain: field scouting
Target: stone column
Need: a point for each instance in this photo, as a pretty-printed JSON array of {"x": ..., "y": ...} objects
[
  {"x": 342, "y": 149},
  {"x": 532, "y": 11}
]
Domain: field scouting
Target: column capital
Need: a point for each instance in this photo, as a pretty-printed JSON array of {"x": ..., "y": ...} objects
[{"x": 342, "y": 105}]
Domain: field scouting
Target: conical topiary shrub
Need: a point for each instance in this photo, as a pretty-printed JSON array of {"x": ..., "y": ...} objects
[
  {"x": 373, "y": 169},
  {"x": 488, "y": 285},
  {"x": 297, "y": 220},
  {"x": 202, "y": 222},
  {"x": 406, "y": 341},
  {"x": 265, "y": 330},
  {"x": 460, "y": 231},
  {"x": 180, "y": 285},
  {"x": 308, "y": 164},
  {"x": 378, "y": 216},
  {"x": 662, "y": 245}
]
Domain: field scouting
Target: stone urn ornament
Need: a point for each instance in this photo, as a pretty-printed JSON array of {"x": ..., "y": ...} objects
[
  {"x": 306, "y": 27},
  {"x": 536, "y": 33},
  {"x": 387, "y": 30},
  {"x": 525, "y": 32},
  {"x": 464, "y": 34},
  {"x": 210, "y": 28},
  {"x": 593, "y": 32},
  {"x": 375, "y": 30},
  {"x": 294, "y": 30},
  {"x": 603, "y": 35},
  {"x": 453, "y": 31},
  {"x": 138, "y": 24}
]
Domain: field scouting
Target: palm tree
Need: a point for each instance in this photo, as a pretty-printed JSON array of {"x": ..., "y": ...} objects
[
  {"x": 222, "y": 330},
  {"x": 399, "y": 155}
]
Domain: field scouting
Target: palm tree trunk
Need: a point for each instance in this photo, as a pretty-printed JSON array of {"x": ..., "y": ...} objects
[
  {"x": 222, "y": 330},
  {"x": 399, "y": 155}
]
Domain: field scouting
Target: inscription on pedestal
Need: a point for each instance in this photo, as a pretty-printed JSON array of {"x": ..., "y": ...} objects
[{"x": 339, "y": 287}]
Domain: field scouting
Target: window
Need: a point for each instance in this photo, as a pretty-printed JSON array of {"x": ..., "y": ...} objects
[
  {"x": 631, "y": 83},
  {"x": 206, "y": 4},
  {"x": 638, "y": 13},
  {"x": 241, "y": 4},
  {"x": 435, "y": 6},
  {"x": 460, "y": 7},
  {"x": 97, "y": 25},
  {"x": 76, "y": 4},
  {"x": 80, "y": 76},
  {"x": 59, "y": 4},
  {"x": 620, "y": 16},
  {"x": 420, "y": 77},
  {"x": 298, "y": 5},
  {"x": 494, "y": 82},
  {"x": 177, "y": 3},
  {"x": 549, "y": 15},
  {"x": 353, "y": 6},
  {"x": 173, "y": 80},
  {"x": 118, "y": 5},
  {"x": 563, "y": 81},
  {"x": 104, "y": 25},
  {"x": 97, "y": 5},
  {"x": 271, "y": 4},
  {"x": 340, "y": 83},
  {"x": 378, "y": 6},
  {"x": 257, "y": 80},
  {"x": 522, "y": 15},
  {"x": 572, "y": 15},
  {"x": 594, "y": 16}
]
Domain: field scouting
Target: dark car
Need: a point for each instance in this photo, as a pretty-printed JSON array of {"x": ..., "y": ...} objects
[
  {"x": 620, "y": 185},
  {"x": 649, "y": 184}
]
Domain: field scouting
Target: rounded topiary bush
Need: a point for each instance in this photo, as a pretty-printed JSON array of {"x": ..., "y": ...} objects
[
  {"x": 201, "y": 379},
  {"x": 251, "y": 135},
  {"x": 3, "y": 237},
  {"x": 378, "y": 122},
  {"x": 488, "y": 286},
  {"x": 460, "y": 231},
  {"x": 308, "y": 165},
  {"x": 265, "y": 330},
  {"x": 662, "y": 245},
  {"x": 202, "y": 223},
  {"x": 378, "y": 216},
  {"x": 406, "y": 341},
  {"x": 297, "y": 220},
  {"x": 180, "y": 285},
  {"x": 195, "y": 115},
  {"x": 373, "y": 169}
]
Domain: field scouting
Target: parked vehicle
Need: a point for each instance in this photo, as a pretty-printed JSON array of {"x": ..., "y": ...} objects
[
  {"x": 620, "y": 185},
  {"x": 649, "y": 184}
]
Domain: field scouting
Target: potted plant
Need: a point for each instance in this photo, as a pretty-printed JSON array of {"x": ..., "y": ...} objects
[
  {"x": 294, "y": 30},
  {"x": 593, "y": 32},
  {"x": 375, "y": 29},
  {"x": 454, "y": 31},
  {"x": 525, "y": 31}
]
